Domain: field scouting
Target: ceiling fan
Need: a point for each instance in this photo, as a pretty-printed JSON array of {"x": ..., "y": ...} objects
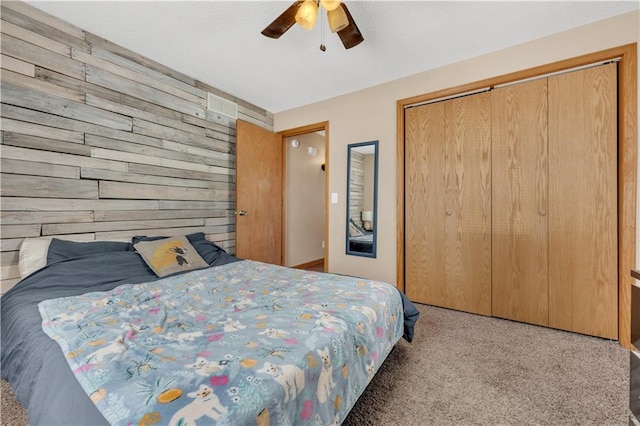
[{"x": 305, "y": 12}]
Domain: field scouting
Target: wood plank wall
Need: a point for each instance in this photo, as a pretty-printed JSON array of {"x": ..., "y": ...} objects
[
  {"x": 356, "y": 187},
  {"x": 99, "y": 142}
]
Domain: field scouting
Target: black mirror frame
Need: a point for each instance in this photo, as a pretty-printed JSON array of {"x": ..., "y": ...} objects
[{"x": 375, "y": 200}]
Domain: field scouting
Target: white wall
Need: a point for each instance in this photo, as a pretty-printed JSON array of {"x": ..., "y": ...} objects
[{"x": 370, "y": 114}]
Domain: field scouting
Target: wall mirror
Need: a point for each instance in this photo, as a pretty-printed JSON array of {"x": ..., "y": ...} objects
[{"x": 362, "y": 198}]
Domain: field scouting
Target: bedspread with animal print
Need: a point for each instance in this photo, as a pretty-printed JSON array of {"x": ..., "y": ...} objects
[{"x": 243, "y": 343}]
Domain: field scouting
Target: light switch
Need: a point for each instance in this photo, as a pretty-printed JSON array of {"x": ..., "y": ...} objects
[{"x": 334, "y": 198}]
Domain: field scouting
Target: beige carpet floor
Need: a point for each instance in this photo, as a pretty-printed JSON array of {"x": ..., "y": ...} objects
[{"x": 465, "y": 369}]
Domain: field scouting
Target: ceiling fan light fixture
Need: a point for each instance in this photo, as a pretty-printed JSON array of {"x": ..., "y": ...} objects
[
  {"x": 330, "y": 5},
  {"x": 338, "y": 20},
  {"x": 307, "y": 14}
]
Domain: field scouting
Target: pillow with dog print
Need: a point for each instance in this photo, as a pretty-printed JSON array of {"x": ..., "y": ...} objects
[{"x": 170, "y": 255}]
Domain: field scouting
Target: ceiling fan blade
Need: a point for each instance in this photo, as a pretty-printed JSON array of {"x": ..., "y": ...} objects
[
  {"x": 283, "y": 22},
  {"x": 350, "y": 35}
]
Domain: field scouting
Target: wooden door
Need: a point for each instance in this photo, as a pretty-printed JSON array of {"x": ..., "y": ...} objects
[
  {"x": 425, "y": 204},
  {"x": 583, "y": 278},
  {"x": 519, "y": 246},
  {"x": 259, "y": 168},
  {"x": 448, "y": 204}
]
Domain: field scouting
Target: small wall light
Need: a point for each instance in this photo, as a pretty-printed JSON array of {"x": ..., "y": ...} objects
[{"x": 295, "y": 143}]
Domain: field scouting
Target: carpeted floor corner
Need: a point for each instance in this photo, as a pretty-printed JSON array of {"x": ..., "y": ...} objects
[
  {"x": 465, "y": 369},
  {"x": 469, "y": 369},
  {"x": 11, "y": 412}
]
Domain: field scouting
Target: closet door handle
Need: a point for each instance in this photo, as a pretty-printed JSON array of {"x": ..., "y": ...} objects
[
  {"x": 542, "y": 212},
  {"x": 449, "y": 213}
]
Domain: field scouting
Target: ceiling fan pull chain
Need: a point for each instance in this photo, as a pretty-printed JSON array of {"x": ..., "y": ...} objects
[{"x": 322, "y": 46}]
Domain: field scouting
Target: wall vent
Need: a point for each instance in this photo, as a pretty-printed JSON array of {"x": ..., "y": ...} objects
[{"x": 222, "y": 106}]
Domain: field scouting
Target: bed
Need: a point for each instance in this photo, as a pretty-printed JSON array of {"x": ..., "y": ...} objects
[
  {"x": 96, "y": 337},
  {"x": 361, "y": 243},
  {"x": 360, "y": 240}
]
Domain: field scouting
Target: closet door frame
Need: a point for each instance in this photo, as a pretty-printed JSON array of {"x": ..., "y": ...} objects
[{"x": 627, "y": 160}]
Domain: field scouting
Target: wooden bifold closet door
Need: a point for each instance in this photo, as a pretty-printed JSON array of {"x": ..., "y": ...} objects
[
  {"x": 583, "y": 226},
  {"x": 520, "y": 203},
  {"x": 448, "y": 204},
  {"x": 511, "y": 202}
]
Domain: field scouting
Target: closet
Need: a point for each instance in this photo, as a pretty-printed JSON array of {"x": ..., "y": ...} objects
[
  {"x": 511, "y": 202},
  {"x": 448, "y": 203}
]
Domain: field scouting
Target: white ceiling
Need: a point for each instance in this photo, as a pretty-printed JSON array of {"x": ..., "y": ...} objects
[{"x": 219, "y": 42}]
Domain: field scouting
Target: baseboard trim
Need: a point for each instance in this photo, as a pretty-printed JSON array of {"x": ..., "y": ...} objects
[{"x": 311, "y": 264}]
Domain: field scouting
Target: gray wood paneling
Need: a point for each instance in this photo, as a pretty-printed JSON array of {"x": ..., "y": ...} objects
[
  {"x": 7, "y": 284},
  {"x": 148, "y": 179},
  {"x": 150, "y": 232},
  {"x": 122, "y": 157},
  {"x": 197, "y": 205},
  {"x": 40, "y": 101},
  {"x": 219, "y": 124},
  {"x": 36, "y": 142},
  {"x": 19, "y": 231},
  {"x": 27, "y": 217},
  {"x": 40, "y": 186},
  {"x": 21, "y": 80},
  {"x": 132, "y": 75},
  {"x": 37, "y": 55},
  {"x": 41, "y": 156},
  {"x": 187, "y": 174},
  {"x": 9, "y": 258},
  {"x": 38, "y": 169},
  {"x": 10, "y": 244},
  {"x": 9, "y": 125},
  {"x": 176, "y": 154},
  {"x": 134, "y": 62},
  {"x": 114, "y": 82},
  {"x": 16, "y": 65},
  {"x": 34, "y": 38},
  {"x": 69, "y": 204},
  {"x": 356, "y": 186},
  {"x": 115, "y": 215},
  {"x": 138, "y": 112},
  {"x": 9, "y": 272},
  {"x": 137, "y": 191},
  {"x": 99, "y": 142},
  {"x": 43, "y": 19},
  {"x": 70, "y": 228},
  {"x": 177, "y": 135}
]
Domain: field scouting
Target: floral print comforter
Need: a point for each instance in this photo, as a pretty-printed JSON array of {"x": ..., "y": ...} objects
[{"x": 243, "y": 343}]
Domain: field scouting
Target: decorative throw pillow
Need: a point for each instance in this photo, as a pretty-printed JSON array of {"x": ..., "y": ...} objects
[
  {"x": 358, "y": 227},
  {"x": 208, "y": 250},
  {"x": 170, "y": 255},
  {"x": 354, "y": 231}
]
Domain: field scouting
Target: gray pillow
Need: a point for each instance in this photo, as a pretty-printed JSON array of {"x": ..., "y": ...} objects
[{"x": 63, "y": 249}]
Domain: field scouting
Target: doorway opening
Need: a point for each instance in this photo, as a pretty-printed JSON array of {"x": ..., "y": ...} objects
[{"x": 305, "y": 238}]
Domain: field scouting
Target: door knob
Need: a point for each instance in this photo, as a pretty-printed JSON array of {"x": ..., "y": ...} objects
[
  {"x": 242, "y": 213},
  {"x": 542, "y": 212},
  {"x": 449, "y": 212}
]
